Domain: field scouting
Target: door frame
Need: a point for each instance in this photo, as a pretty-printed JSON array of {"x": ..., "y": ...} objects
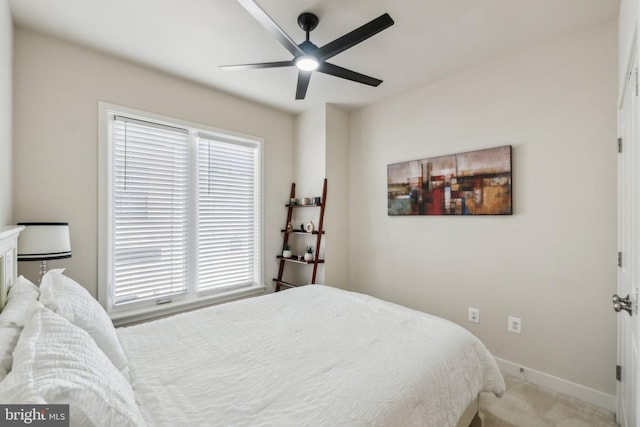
[{"x": 629, "y": 184}]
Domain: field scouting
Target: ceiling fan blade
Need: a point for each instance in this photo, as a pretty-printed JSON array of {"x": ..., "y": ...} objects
[
  {"x": 334, "y": 70},
  {"x": 265, "y": 20},
  {"x": 258, "y": 65},
  {"x": 356, "y": 36},
  {"x": 303, "y": 84}
]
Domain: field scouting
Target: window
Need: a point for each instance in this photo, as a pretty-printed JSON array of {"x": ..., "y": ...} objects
[
  {"x": 227, "y": 214},
  {"x": 180, "y": 213}
]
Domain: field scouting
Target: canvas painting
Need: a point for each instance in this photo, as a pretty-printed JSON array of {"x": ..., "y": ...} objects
[{"x": 472, "y": 183}]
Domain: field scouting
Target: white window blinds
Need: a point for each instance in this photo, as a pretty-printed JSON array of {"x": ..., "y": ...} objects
[
  {"x": 228, "y": 216},
  {"x": 150, "y": 210},
  {"x": 182, "y": 209}
]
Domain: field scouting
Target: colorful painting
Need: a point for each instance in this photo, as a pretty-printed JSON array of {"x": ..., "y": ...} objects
[{"x": 473, "y": 183}]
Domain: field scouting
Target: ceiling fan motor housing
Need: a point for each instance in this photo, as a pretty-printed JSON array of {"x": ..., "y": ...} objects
[
  {"x": 308, "y": 21},
  {"x": 308, "y": 48}
]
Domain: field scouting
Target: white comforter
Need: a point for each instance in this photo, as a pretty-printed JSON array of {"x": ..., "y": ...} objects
[{"x": 311, "y": 356}]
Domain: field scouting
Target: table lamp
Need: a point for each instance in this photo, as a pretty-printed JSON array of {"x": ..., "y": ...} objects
[{"x": 43, "y": 241}]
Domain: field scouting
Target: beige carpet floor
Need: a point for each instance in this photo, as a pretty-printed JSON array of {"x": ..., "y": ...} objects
[{"x": 528, "y": 405}]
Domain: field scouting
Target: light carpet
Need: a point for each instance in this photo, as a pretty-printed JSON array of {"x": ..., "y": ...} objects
[{"x": 528, "y": 405}]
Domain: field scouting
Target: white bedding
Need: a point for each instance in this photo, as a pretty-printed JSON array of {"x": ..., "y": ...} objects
[{"x": 314, "y": 355}]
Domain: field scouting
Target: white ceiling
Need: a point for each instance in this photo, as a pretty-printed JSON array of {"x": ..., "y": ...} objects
[{"x": 192, "y": 38}]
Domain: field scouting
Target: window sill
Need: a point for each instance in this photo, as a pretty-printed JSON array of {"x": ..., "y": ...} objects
[{"x": 131, "y": 317}]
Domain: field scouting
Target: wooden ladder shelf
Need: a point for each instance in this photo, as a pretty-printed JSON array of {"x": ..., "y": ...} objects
[{"x": 318, "y": 232}]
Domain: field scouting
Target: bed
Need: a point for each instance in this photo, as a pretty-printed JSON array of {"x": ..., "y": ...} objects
[{"x": 314, "y": 355}]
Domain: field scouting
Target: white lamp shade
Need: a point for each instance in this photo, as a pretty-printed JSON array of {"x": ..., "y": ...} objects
[{"x": 41, "y": 241}]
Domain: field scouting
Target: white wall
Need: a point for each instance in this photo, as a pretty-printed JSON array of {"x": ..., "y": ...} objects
[
  {"x": 310, "y": 152},
  {"x": 57, "y": 89},
  {"x": 627, "y": 22},
  {"x": 321, "y": 151},
  {"x": 6, "y": 106},
  {"x": 553, "y": 263},
  {"x": 337, "y": 211},
  {"x": 309, "y": 165}
]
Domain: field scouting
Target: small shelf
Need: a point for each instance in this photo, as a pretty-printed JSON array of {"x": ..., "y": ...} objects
[
  {"x": 315, "y": 205},
  {"x": 286, "y": 284},
  {"x": 299, "y": 261},
  {"x": 300, "y": 232}
]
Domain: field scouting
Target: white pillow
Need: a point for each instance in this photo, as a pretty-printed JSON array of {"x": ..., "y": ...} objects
[
  {"x": 9, "y": 335},
  {"x": 62, "y": 295},
  {"x": 21, "y": 295},
  {"x": 13, "y": 317},
  {"x": 8, "y": 340},
  {"x": 56, "y": 362},
  {"x": 22, "y": 285}
]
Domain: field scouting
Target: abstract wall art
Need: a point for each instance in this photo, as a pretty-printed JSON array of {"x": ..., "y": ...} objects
[{"x": 472, "y": 183}]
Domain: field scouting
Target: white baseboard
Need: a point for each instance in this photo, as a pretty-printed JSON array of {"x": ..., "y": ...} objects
[{"x": 593, "y": 396}]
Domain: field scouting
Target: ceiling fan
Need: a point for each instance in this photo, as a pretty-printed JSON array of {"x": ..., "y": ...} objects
[{"x": 308, "y": 57}]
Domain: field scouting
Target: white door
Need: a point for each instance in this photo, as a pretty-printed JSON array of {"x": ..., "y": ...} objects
[{"x": 629, "y": 247}]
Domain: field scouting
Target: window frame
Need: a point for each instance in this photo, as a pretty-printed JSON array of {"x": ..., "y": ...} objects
[{"x": 140, "y": 310}]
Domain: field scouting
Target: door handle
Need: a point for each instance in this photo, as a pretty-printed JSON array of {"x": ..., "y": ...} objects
[{"x": 620, "y": 304}]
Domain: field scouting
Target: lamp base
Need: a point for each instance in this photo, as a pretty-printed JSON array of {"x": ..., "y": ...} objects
[{"x": 43, "y": 270}]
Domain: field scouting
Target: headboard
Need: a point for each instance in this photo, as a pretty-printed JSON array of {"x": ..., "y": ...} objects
[{"x": 8, "y": 259}]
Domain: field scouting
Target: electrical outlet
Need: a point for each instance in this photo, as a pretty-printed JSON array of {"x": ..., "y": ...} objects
[
  {"x": 474, "y": 315},
  {"x": 514, "y": 324}
]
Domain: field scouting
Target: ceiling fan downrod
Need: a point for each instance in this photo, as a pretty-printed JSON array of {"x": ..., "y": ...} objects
[{"x": 308, "y": 22}]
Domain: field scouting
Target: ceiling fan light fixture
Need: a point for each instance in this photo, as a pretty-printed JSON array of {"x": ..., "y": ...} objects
[
  {"x": 308, "y": 57},
  {"x": 307, "y": 63}
]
